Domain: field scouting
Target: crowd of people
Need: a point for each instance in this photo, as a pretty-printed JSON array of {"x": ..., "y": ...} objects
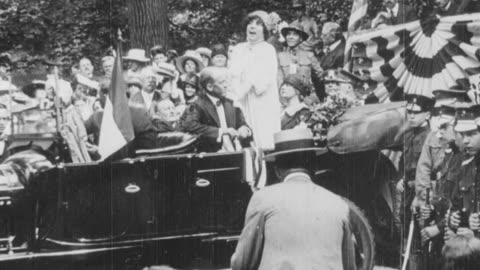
[{"x": 232, "y": 96}]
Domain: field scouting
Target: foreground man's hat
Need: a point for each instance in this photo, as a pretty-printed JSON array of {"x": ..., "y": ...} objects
[{"x": 294, "y": 141}]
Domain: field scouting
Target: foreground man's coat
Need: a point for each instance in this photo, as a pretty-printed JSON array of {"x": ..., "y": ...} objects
[{"x": 295, "y": 225}]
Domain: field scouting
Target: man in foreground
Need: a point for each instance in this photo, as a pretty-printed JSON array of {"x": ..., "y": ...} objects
[{"x": 295, "y": 224}]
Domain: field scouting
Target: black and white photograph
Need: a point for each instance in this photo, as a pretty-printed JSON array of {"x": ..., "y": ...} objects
[{"x": 240, "y": 134}]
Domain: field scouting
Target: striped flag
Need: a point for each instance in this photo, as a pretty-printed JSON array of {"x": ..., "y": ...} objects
[
  {"x": 419, "y": 57},
  {"x": 359, "y": 10},
  {"x": 117, "y": 128}
]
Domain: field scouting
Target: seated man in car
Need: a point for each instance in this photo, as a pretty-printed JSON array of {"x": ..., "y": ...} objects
[
  {"x": 165, "y": 117},
  {"x": 213, "y": 117}
]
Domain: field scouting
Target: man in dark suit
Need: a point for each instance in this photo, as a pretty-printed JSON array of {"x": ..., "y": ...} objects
[
  {"x": 332, "y": 54},
  {"x": 395, "y": 12},
  {"x": 212, "y": 116},
  {"x": 295, "y": 224}
]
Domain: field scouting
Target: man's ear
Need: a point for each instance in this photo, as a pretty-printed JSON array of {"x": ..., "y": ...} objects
[{"x": 210, "y": 86}]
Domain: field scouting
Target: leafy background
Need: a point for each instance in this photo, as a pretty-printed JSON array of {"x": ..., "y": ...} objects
[{"x": 33, "y": 29}]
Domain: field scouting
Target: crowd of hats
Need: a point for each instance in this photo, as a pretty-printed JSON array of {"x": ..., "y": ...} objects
[{"x": 449, "y": 106}]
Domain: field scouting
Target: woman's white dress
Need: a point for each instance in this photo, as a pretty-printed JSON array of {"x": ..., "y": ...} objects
[{"x": 254, "y": 81}]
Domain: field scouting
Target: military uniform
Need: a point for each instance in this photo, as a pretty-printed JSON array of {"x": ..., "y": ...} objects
[
  {"x": 462, "y": 252},
  {"x": 294, "y": 60}
]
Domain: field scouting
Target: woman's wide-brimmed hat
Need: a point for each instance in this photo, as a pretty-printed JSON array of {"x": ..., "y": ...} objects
[
  {"x": 30, "y": 89},
  {"x": 297, "y": 28},
  {"x": 293, "y": 141},
  {"x": 297, "y": 82},
  {"x": 136, "y": 55},
  {"x": 189, "y": 55}
]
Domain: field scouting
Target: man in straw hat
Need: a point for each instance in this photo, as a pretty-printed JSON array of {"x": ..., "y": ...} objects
[
  {"x": 295, "y": 224},
  {"x": 136, "y": 62},
  {"x": 462, "y": 248},
  {"x": 297, "y": 61}
]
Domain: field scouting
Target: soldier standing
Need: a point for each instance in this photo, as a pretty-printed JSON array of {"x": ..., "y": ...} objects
[
  {"x": 462, "y": 248},
  {"x": 418, "y": 115},
  {"x": 297, "y": 61}
]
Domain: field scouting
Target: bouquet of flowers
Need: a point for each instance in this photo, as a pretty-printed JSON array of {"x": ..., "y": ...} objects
[{"x": 325, "y": 114}]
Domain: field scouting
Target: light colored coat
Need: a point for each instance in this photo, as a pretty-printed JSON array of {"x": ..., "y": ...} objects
[
  {"x": 295, "y": 225},
  {"x": 254, "y": 81}
]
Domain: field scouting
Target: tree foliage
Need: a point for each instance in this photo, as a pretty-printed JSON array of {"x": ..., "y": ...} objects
[{"x": 33, "y": 29}]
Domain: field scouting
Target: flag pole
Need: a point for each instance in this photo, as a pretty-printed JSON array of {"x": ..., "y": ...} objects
[{"x": 57, "y": 98}]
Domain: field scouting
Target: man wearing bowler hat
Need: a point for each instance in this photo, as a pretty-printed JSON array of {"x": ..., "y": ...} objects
[
  {"x": 297, "y": 61},
  {"x": 295, "y": 224}
]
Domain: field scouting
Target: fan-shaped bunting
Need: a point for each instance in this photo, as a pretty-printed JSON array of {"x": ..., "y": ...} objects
[{"x": 418, "y": 57}]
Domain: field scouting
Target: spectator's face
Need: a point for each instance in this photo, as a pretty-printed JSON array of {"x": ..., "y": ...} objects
[
  {"x": 134, "y": 65},
  {"x": 220, "y": 87},
  {"x": 471, "y": 140},
  {"x": 293, "y": 39},
  {"x": 417, "y": 119},
  {"x": 132, "y": 90},
  {"x": 328, "y": 37},
  {"x": 389, "y": 3},
  {"x": 4, "y": 69},
  {"x": 80, "y": 92},
  {"x": 190, "y": 66},
  {"x": 149, "y": 83},
  {"x": 190, "y": 91},
  {"x": 446, "y": 132},
  {"x": 86, "y": 67},
  {"x": 299, "y": 12},
  {"x": 97, "y": 106},
  {"x": 255, "y": 31},
  {"x": 4, "y": 119},
  {"x": 287, "y": 91},
  {"x": 166, "y": 111},
  {"x": 219, "y": 60},
  {"x": 205, "y": 60},
  {"x": 107, "y": 67},
  {"x": 159, "y": 58}
]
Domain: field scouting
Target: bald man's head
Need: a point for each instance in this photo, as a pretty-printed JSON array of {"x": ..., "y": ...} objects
[
  {"x": 331, "y": 32},
  {"x": 214, "y": 80}
]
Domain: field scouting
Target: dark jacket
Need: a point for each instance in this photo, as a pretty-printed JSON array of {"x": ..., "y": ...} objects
[
  {"x": 163, "y": 126},
  {"x": 334, "y": 59},
  {"x": 145, "y": 131},
  {"x": 201, "y": 118}
]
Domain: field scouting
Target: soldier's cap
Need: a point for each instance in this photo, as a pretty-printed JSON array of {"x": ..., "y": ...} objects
[
  {"x": 446, "y": 114},
  {"x": 297, "y": 82},
  {"x": 450, "y": 97},
  {"x": 294, "y": 141},
  {"x": 468, "y": 118},
  {"x": 297, "y": 28},
  {"x": 419, "y": 103}
]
